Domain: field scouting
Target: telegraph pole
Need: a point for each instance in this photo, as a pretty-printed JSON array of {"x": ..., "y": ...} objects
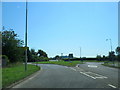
[
  {"x": 111, "y": 48},
  {"x": 26, "y": 40},
  {"x": 110, "y": 43},
  {"x": 80, "y": 52},
  {"x": 61, "y": 54},
  {"x": 3, "y": 28},
  {"x": 80, "y": 55}
]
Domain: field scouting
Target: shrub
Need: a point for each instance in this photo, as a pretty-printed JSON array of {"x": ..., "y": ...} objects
[{"x": 5, "y": 61}]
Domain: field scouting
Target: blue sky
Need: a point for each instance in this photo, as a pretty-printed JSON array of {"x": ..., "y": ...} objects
[{"x": 64, "y": 27}]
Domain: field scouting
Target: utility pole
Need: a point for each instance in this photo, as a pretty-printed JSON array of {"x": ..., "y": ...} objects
[
  {"x": 80, "y": 52},
  {"x": 80, "y": 55},
  {"x": 111, "y": 48},
  {"x": 3, "y": 28},
  {"x": 26, "y": 58},
  {"x": 110, "y": 43},
  {"x": 61, "y": 54}
]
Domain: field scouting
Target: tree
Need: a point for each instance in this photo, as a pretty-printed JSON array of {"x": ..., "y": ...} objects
[
  {"x": 104, "y": 57},
  {"x": 33, "y": 52},
  {"x": 118, "y": 53},
  {"x": 33, "y": 55},
  {"x": 112, "y": 56},
  {"x": 118, "y": 50},
  {"x": 41, "y": 53},
  {"x": 98, "y": 57},
  {"x": 29, "y": 55},
  {"x": 12, "y": 46},
  {"x": 57, "y": 57}
]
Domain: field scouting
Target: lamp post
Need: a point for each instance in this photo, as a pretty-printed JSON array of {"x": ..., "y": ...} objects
[
  {"x": 110, "y": 43},
  {"x": 80, "y": 52},
  {"x": 80, "y": 55},
  {"x": 3, "y": 27},
  {"x": 26, "y": 40},
  {"x": 111, "y": 48}
]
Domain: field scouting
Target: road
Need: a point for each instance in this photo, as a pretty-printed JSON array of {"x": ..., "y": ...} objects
[{"x": 88, "y": 75}]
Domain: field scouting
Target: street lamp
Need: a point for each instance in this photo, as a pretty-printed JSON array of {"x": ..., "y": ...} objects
[
  {"x": 80, "y": 52},
  {"x": 26, "y": 40},
  {"x": 111, "y": 47},
  {"x": 110, "y": 43},
  {"x": 80, "y": 55}
]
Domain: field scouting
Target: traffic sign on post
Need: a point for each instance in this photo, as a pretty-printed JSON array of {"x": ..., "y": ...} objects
[{"x": 25, "y": 48}]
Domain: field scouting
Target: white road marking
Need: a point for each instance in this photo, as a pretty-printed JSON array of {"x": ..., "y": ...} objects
[
  {"x": 66, "y": 67},
  {"x": 93, "y": 76},
  {"x": 99, "y": 76},
  {"x": 111, "y": 86},
  {"x": 73, "y": 69},
  {"x": 31, "y": 78},
  {"x": 77, "y": 65},
  {"x": 79, "y": 69},
  {"x": 92, "y": 66},
  {"x": 88, "y": 75}
]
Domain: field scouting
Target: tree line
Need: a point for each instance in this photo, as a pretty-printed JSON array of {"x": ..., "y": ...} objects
[
  {"x": 13, "y": 50},
  {"x": 111, "y": 56}
]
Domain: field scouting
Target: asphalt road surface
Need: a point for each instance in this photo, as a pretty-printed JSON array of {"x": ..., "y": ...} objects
[{"x": 89, "y": 75}]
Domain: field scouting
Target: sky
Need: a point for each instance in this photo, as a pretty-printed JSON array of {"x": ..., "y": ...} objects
[{"x": 64, "y": 27}]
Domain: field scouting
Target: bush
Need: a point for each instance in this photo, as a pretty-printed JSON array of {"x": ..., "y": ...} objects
[
  {"x": 5, "y": 61},
  {"x": 118, "y": 58},
  {"x": 43, "y": 59},
  {"x": 12, "y": 46}
]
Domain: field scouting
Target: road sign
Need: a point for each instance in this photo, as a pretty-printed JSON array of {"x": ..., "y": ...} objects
[{"x": 25, "y": 48}]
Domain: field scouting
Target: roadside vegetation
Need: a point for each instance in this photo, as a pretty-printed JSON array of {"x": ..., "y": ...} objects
[
  {"x": 61, "y": 62},
  {"x": 13, "y": 49},
  {"x": 16, "y": 72},
  {"x": 115, "y": 64},
  {"x": 92, "y": 61},
  {"x": 13, "y": 57},
  {"x": 13, "y": 52}
]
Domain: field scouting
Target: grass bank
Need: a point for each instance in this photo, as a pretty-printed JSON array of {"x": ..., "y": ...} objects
[
  {"x": 92, "y": 61},
  {"x": 64, "y": 63},
  {"x": 111, "y": 64},
  {"x": 16, "y": 72}
]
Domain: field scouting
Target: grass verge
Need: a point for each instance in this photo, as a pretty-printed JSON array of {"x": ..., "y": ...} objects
[
  {"x": 92, "y": 61},
  {"x": 110, "y": 64},
  {"x": 64, "y": 63},
  {"x": 15, "y": 73}
]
